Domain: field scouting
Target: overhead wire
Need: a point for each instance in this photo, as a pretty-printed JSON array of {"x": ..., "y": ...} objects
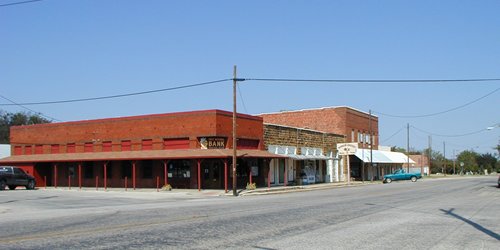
[
  {"x": 441, "y": 112},
  {"x": 373, "y": 80},
  {"x": 120, "y": 95},
  {"x": 442, "y": 135},
  {"x": 36, "y": 112},
  {"x": 397, "y": 132},
  {"x": 18, "y": 3},
  {"x": 241, "y": 98}
]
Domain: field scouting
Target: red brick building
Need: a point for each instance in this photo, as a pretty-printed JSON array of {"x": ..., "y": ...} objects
[
  {"x": 355, "y": 125},
  {"x": 186, "y": 150}
]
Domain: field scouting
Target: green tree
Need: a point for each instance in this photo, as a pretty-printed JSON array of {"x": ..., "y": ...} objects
[
  {"x": 8, "y": 120},
  {"x": 469, "y": 159},
  {"x": 486, "y": 162}
]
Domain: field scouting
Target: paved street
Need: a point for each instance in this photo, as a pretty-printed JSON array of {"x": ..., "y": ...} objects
[{"x": 455, "y": 213}]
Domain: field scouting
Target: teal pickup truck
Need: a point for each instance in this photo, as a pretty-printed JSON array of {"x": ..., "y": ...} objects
[{"x": 400, "y": 174}]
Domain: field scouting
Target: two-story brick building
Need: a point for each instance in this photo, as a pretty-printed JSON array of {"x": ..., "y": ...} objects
[
  {"x": 355, "y": 125},
  {"x": 310, "y": 155},
  {"x": 186, "y": 150}
]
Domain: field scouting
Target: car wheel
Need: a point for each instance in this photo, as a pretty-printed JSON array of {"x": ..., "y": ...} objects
[
  {"x": 2, "y": 185},
  {"x": 12, "y": 187},
  {"x": 413, "y": 179},
  {"x": 388, "y": 180},
  {"x": 31, "y": 185}
]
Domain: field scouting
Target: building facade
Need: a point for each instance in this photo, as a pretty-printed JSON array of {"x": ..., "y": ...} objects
[
  {"x": 185, "y": 150},
  {"x": 311, "y": 155},
  {"x": 354, "y": 124}
]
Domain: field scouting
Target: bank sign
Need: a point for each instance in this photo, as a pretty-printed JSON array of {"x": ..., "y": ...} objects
[
  {"x": 213, "y": 142},
  {"x": 347, "y": 148}
]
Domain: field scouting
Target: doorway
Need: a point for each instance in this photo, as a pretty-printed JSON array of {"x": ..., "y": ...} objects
[{"x": 211, "y": 173}]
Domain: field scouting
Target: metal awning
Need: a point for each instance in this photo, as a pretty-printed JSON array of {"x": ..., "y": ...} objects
[
  {"x": 382, "y": 156},
  {"x": 138, "y": 155}
]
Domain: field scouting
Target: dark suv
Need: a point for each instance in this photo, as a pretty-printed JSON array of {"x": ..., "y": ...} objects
[{"x": 13, "y": 177}]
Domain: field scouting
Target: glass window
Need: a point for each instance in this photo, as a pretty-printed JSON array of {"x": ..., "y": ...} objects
[{"x": 179, "y": 169}]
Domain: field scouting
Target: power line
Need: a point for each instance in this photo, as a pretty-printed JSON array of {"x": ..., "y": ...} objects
[
  {"x": 397, "y": 132},
  {"x": 51, "y": 118},
  {"x": 459, "y": 135},
  {"x": 374, "y": 80},
  {"x": 241, "y": 98},
  {"x": 441, "y": 112},
  {"x": 119, "y": 96},
  {"x": 17, "y": 3}
]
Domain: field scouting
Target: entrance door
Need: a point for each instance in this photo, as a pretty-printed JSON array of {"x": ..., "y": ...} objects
[
  {"x": 211, "y": 174},
  {"x": 281, "y": 171}
]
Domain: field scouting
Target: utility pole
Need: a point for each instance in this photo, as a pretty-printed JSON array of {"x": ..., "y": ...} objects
[
  {"x": 371, "y": 145},
  {"x": 234, "y": 132},
  {"x": 454, "y": 160},
  {"x": 444, "y": 156},
  {"x": 430, "y": 154},
  {"x": 408, "y": 145}
]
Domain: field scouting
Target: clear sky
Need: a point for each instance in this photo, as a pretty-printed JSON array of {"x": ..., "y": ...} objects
[{"x": 57, "y": 50}]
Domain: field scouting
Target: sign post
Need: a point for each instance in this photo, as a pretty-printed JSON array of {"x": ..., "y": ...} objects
[{"x": 347, "y": 149}]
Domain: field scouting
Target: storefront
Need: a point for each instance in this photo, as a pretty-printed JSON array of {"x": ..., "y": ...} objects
[
  {"x": 383, "y": 162},
  {"x": 184, "y": 150}
]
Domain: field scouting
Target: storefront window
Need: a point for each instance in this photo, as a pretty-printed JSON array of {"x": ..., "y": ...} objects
[{"x": 179, "y": 169}]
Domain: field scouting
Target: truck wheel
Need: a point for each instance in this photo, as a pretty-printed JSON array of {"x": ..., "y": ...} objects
[
  {"x": 388, "y": 180},
  {"x": 413, "y": 179},
  {"x": 2, "y": 184},
  {"x": 12, "y": 187},
  {"x": 31, "y": 185}
]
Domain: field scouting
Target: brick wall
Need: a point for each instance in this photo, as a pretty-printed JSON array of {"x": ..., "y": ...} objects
[
  {"x": 289, "y": 136},
  {"x": 137, "y": 128},
  {"x": 335, "y": 120}
]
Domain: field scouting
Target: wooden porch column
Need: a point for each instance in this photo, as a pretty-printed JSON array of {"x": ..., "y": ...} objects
[
  {"x": 80, "y": 175},
  {"x": 165, "y": 172},
  {"x": 55, "y": 175},
  {"x": 225, "y": 175},
  {"x": 286, "y": 175},
  {"x": 133, "y": 174},
  {"x": 268, "y": 173},
  {"x": 105, "y": 176},
  {"x": 199, "y": 174}
]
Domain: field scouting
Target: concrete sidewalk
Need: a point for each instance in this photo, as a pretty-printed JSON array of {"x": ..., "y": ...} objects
[
  {"x": 287, "y": 189},
  {"x": 210, "y": 192}
]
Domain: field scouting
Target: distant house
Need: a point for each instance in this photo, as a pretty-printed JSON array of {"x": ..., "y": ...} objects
[{"x": 4, "y": 150}]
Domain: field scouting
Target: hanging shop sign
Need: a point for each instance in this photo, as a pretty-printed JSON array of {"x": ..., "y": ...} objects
[
  {"x": 213, "y": 142},
  {"x": 347, "y": 148}
]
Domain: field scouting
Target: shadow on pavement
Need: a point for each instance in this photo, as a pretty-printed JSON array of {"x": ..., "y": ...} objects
[{"x": 475, "y": 225}]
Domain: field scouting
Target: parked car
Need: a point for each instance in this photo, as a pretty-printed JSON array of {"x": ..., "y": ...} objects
[
  {"x": 400, "y": 174},
  {"x": 498, "y": 181},
  {"x": 13, "y": 177}
]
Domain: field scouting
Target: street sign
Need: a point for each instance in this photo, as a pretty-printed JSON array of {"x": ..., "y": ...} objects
[{"x": 347, "y": 148}]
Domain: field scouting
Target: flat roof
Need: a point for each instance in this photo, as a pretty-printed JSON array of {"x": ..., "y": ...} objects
[
  {"x": 186, "y": 113},
  {"x": 309, "y": 109}
]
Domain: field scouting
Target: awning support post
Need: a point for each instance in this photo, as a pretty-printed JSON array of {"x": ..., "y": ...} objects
[
  {"x": 199, "y": 174},
  {"x": 133, "y": 174},
  {"x": 286, "y": 175},
  {"x": 80, "y": 176},
  {"x": 225, "y": 175},
  {"x": 165, "y": 172},
  {"x": 55, "y": 175}
]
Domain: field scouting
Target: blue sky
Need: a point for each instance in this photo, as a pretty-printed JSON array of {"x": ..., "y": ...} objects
[{"x": 57, "y": 50}]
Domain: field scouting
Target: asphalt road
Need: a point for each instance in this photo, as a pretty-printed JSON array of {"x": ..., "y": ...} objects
[{"x": 460, "y": 213}]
